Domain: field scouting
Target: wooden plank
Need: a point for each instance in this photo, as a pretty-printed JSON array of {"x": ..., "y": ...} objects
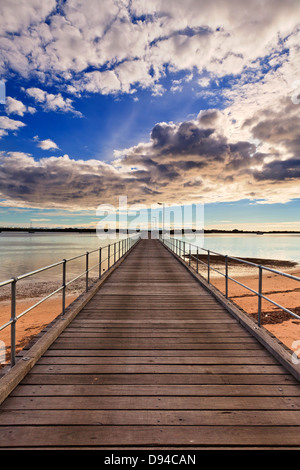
[
  {"x": 100, "y": 360},
  {"x": 259, "y": 352},
  {"x": 157, "y": 379},
  {"x": 159, "y": 390},
  {"x": 158, "y": 369},
  {"x": 256, "y": 403},
  {"x": 61, "y": 344},
  {"x": 149, "y": 417},
  {"x": 128, "y": 341},
  {"x": 101, "y": 436}
]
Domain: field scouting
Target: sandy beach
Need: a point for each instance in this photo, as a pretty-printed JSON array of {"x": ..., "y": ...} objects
[
  {"x": 31, "y": 323},
  {"x": 282, "y": 290}
]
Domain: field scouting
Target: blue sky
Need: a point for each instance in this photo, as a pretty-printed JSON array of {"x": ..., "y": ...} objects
[{"x": 189, "y": 104}]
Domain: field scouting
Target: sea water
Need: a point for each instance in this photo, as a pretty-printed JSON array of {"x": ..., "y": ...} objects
[{"x": 23, "y": 252}]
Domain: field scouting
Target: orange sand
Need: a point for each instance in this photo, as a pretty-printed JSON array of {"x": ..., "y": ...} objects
[{"x": 32, "y": 322}]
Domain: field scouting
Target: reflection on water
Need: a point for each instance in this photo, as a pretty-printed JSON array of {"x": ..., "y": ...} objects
[{"x": 21, "y": 253}]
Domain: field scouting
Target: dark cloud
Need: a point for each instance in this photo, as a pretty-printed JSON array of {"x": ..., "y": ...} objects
[
  {"x": 279, "y": 170},
  {"x": 187, "y": 139}
]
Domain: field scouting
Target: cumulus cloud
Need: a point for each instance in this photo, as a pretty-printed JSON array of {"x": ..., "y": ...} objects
[
  {"x": 56, "y": 181},
  {"x": 46, "y": 144},
  {"x": 14, "y": 106},
  {"x": 138, "y": 41},
  {"x": 52, "y": 102},
  {"x": 7, "y": 124}
]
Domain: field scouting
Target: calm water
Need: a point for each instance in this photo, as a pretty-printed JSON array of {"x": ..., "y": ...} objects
[
  {"x": 23, "y": 252},
  {"x": 274, "y": 246}
]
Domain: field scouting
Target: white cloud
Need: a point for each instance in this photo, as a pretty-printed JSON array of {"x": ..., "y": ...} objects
[
  {"x": 52, "y": 102},
  {"x": 215, "y": 38},
  {"x": 13, "y": 106},
  {"x": 99, "y": 82},
  {"x": 17, "y": 15},
  {"x": 7, "y": 124},
  {"x": 47, "y": 144}
]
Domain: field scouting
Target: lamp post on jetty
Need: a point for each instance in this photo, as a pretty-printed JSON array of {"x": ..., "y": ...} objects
[{"x": 163, "y": 226}]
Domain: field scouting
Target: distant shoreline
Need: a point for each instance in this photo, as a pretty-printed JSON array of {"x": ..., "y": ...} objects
[
  {"x": 271, "y": 263},
  {"x": 124, "y": 231}
]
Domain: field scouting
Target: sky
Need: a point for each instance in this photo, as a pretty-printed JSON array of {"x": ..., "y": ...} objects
[{"x": 182, "y": 103}]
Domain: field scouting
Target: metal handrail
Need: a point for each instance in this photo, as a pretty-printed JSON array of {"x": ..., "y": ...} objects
[
  {"x": 179, "y": 248},
  {"x": 124, "y": 246}
]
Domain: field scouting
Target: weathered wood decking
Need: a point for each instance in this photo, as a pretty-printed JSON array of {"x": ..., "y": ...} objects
[{"x": 153, "y": 361}]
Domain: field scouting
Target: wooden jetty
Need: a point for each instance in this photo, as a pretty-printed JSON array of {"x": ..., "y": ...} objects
[{"x": 153, "y": 360}]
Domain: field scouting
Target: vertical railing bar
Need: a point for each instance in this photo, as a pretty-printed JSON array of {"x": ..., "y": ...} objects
[
  {"x": 197, "y": 258},
  {"x": 190, "y": 255},
  {"x": 108, "y": 257},
  {"x": 87, "y": 272},
  {"x": 226, "y": 276},
  {"x": 13, "y": 324},
  {"x": 64, "y": 286},
  {"x": 259, "y": 296},
  {"x": 208, "y": 266},
  {"x": 100, "y": 262}
]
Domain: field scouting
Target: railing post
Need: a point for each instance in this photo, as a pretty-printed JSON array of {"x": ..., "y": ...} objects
[
  {"x": 190, "y": 255},
  {"x": 64, "y": 275},
  {"x": 226, "y": 276},
  {"x": 208, "y": 266},
  {"x": 115, "y": 244},
  {"x": 100, "y": 262},
  {"x": 197, "y": 258},
  {"x": 259, "y": 296},
  {"x": 13, "y": 325},
  {"x": 108, "y": 256},
  {"x": 87, "y": 272}
]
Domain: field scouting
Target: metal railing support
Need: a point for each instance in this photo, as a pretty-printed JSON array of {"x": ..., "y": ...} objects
[
  {"x": 100, "y": 262},
  {"x": 208, "y": 266},
  {"x": 13, "y": 324},
  {"x": 226, "y": 276},
  {"x": 87, "y": 272},
  {"x": 259, "y": 295},
  {"x": 64, "y": 286}
]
